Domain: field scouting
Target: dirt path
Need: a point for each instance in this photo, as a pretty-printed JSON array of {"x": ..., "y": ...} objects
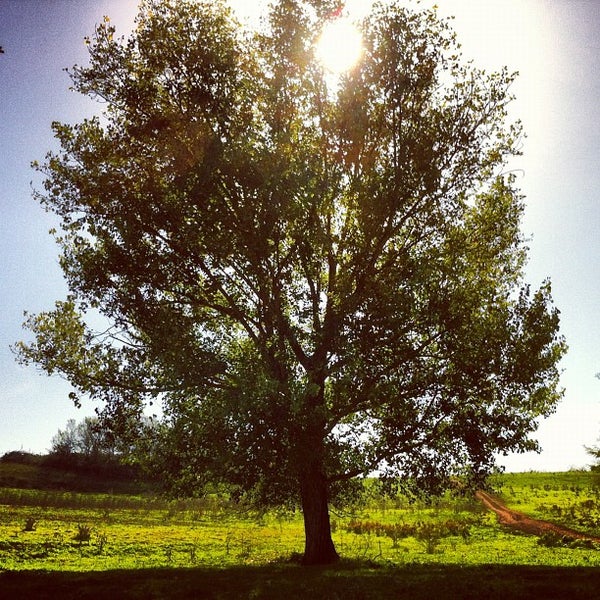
[{"x": 516, "y": 520}]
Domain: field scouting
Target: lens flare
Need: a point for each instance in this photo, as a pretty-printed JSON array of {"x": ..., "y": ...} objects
[{"x": 340, "y": 46}]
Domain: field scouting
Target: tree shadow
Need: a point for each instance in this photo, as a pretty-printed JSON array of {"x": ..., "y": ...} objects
[{"x": 348, "y": 581}]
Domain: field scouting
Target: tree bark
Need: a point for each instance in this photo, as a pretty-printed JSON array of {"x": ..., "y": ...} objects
[{"x": 318, "y": 545}]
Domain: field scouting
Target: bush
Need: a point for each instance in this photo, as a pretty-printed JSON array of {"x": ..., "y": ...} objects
[{"x": 430, "y": 535}]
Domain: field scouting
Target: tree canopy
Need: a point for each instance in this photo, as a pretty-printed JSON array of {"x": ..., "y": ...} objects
[{"x": 316, "y": 282}]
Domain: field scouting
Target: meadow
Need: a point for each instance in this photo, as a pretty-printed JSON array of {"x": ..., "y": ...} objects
[{"x": 123, "y": 545}]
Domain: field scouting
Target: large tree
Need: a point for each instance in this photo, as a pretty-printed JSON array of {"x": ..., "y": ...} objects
[{"x": 317, "y": 282}]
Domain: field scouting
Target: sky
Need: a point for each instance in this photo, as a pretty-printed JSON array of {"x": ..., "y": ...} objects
[{"x": 555, "y": 46}]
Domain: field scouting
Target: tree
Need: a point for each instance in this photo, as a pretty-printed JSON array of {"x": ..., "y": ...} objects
[
  {"x": 594, "y": 451},
  {"x": 316, "y": 283},
  {"x": 65, "y": 443},
  {"x": 85, "y": 439},
  {"x": 89, "y": 447}
]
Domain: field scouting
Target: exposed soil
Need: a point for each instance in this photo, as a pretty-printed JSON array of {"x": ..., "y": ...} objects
[{"x": 519, "y": 521}]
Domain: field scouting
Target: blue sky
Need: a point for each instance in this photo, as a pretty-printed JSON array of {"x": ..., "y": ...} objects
[{"x": 554, "y": 44}]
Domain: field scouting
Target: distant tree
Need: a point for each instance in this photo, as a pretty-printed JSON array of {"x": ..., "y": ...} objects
[
  {"x": 594, "y": 451},
  {"x": 90, "y": 447},
  {"x": 86, "y": 439},
  {"x": 315, "y": 283},
  {"x": 64, "y": 443}
]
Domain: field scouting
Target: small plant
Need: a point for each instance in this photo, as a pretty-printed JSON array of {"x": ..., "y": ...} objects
[
  {"x": 170, "y": 514},
  {"x": 106, "y": 515},
  {"x": 246, "y": 548},
  {"x": 84, "y": 534},
  {"x": 430, "y": 535},
  {"x": 102, "y": 539},
  {"x": 228, "y": 541}
]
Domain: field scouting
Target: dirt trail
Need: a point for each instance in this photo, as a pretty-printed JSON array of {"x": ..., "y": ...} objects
[{"x": 521, "y": 522}]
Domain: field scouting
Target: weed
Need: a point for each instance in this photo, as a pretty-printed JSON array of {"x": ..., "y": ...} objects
[
  {"x": 84, "y": 534},
  {"x": 246, "y": 548},
  {"x": 106, "y": 515},
  {"x": 169, "y": 554},
  {"x": 228, "y": 540},
  {"x": 101, "y": 542},
  {"x": 170, "y": 514}
]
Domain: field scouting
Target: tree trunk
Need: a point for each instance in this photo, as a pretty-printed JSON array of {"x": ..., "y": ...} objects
[{"x": 318, "y": 545}]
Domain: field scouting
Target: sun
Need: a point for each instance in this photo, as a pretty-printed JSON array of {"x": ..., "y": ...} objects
[{"x": 340, "y": 46}]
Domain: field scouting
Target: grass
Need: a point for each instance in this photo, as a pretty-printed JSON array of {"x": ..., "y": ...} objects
[
  {"x": 91, "y": 545},
  {"x": 571, "y": 498}
]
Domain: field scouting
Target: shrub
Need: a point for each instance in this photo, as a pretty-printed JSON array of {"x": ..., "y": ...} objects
[{"x": 430, "y": 535}]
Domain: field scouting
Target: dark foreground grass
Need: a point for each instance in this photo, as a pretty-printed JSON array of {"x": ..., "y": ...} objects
[{"x": 348, "y": 581}]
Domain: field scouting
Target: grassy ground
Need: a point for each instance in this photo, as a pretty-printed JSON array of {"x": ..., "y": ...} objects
[
  {"x": 571, "y": 498},
  {"x": 82, "y": 545}
]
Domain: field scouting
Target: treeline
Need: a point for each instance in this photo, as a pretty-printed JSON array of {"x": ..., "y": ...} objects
[
  {"x": 101, "y": 467},
  {"x": 84, "y": 448}
]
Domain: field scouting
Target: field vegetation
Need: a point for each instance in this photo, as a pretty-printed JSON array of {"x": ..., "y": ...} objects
[
  {"x": 571, "y": 499},
  {"x": 53, "y": 537}
]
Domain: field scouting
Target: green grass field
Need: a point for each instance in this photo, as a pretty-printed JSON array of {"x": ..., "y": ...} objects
[{"x": 88, "y": 545}]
